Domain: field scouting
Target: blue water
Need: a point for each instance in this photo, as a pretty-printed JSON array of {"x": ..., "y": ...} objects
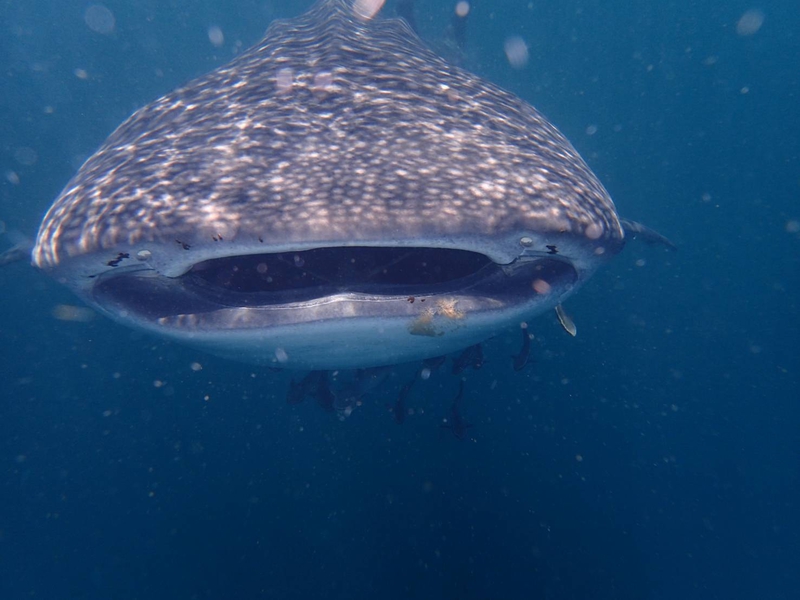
[{"x": 654, "y": 456}]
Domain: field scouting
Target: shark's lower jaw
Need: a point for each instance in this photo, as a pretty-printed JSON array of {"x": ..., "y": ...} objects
[{"x": 343, "y": 307}]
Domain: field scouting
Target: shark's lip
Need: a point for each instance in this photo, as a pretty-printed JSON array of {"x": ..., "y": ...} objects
[{"x": 299, "y": 288}]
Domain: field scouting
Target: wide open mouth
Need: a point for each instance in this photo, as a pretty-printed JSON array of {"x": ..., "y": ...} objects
[{"x": 294, "y": 278}]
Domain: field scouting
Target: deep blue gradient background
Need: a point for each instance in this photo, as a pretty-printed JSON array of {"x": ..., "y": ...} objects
[{"x": 656, "y": 455}]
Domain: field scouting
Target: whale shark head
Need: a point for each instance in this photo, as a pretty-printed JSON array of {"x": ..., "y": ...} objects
[{"x": 335, "y": 197}]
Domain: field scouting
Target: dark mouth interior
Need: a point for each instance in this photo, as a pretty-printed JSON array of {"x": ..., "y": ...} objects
[
  {"x": 280, "y": 279},
  {"x": 347, "y": 268}
]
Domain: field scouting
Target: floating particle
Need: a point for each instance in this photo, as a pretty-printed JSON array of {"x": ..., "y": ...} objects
[
  {"x": 367, "y": 9},
  {"x": 99, "y": 19},
  {"x": 750, "y": 22},
  {"x": 215, "y": 36},
  {"x": 516, "y": 51},
  {"x": 26, "y": 156},
  {"x": 77, "y": 314}
]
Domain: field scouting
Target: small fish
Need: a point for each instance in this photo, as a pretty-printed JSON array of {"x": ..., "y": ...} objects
[
  {"x": 399, "y": 410},
  {"x": 315, "y": 385},
  {"x": 433, "y": 364},
  {"x": 371, "y": 378},
  {"x": 521, "y": 359},
  {"x": 323, "y": 394},
  {"x": 456, "y": 422},
  {"x": 566, "y": 321},
  {"x": 472, "y": 357},
  {"x": 349, "y": 391},
  {"x": 297, "y": 392},
  {"x": 346, "y": 398}
]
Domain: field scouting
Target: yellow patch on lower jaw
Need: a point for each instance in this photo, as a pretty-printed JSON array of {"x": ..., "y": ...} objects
[
  {"x": 427, "y": 323},
  {"x": 448, "y": 307},
  {"x": 423, "y": 325}
]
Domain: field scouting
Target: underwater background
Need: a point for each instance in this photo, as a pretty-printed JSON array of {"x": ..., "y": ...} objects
[{"x": 656, "y": 455}]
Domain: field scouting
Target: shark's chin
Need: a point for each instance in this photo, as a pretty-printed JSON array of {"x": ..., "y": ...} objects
[{"x": 342, "y": 307}]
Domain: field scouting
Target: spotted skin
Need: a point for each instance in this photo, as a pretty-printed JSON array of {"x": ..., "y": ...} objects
[{"x": 332, "y": 130}]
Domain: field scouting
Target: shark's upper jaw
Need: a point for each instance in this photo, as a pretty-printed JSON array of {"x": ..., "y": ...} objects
[{"x": 337, "y": 307}]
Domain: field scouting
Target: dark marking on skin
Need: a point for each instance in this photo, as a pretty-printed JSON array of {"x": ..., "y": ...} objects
[
  {"x": 120, "y": 257},
  {"x": 552, "y": 249},
  {"x": 183, "y": 245},
  {"x": 411, "y": 299}
]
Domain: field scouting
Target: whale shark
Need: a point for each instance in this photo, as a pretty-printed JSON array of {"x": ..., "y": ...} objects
[{"x": 335, "y": 197}]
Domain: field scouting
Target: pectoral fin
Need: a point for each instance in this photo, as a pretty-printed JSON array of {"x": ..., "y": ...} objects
[
  {"x": 643, "y": 232},
  {"x": 566, "y": 321}
]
